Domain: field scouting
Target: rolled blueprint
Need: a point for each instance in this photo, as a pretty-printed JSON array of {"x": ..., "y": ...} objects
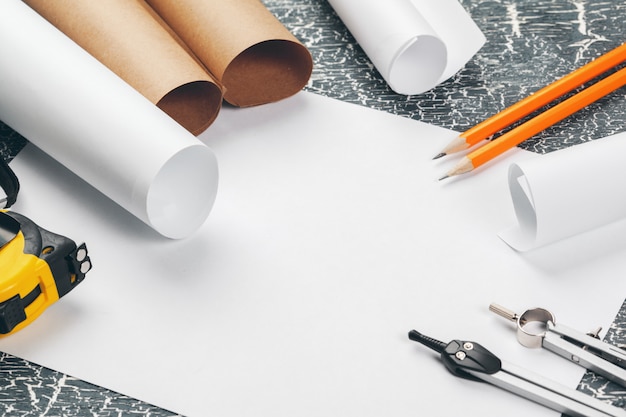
[
  {"x": 129, "y": 38},
  {"x": 414, "y": 44},
  {"x": 243, "y": 45},
  {"x": 79, "y": 112},
  {"x": 567, "y": 192}
]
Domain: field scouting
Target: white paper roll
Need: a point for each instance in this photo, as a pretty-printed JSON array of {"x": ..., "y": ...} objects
[
  {"x": 79, "y": 112},
  {"x": 414, "y": 44},
  {"x": 567, "y": 192}
]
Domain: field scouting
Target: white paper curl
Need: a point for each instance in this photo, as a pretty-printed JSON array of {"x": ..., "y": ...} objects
[
  {"x": 79, "y": 112},
  {"x": 567, "y": 192},
  {"x": 414, "y": 44}
]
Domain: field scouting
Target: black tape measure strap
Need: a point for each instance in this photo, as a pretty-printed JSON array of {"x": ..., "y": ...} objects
[{"x": 9, "y": 183}]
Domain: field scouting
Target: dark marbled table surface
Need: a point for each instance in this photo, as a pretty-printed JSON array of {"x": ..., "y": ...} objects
[{"x": 530, "y": 43}]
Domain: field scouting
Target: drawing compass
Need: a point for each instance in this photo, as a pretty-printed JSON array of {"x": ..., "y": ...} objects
[
  {"x": 537, "y": 327},
  {"x": 472, "y": 361}
]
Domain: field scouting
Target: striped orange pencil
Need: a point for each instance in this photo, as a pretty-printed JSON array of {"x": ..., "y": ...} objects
[
  {"x": 547, "y": 94},
  {"x": 539, "y": 123}
]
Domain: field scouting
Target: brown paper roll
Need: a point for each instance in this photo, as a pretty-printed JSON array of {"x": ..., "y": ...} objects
[
  {"x": 243, "y": 45},
  {"x": 127, "y": 37}
]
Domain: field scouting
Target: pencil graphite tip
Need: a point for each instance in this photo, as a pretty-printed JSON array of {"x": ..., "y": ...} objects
[
  {"x": 456, "y": 145},
  {"x": 464, "y": 165}
]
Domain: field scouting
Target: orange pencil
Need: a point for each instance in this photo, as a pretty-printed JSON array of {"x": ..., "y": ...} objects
[
  {"x": 537, "y": 124},
  {"x": 508, "y": 116}
]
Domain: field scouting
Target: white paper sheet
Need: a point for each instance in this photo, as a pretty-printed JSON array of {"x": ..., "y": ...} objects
[
  {"x": 414, "y": 44},
  {"x": 330, "y": 239},
  {"x": 64, "y": 101},
  {"x": 567, "y": 192}
]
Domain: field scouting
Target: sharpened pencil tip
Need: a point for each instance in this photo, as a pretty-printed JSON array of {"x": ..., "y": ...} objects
[
  {"x": 440, "y": 155},
  {"x": 444, "y": 177}
]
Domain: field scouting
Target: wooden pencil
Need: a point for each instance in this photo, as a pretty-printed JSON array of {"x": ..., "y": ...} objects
[
  {"x": 535, "y": 101},
  {"x": 539, "y": 123}
]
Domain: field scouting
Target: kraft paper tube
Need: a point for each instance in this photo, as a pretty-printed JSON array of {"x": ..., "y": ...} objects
[
  {"x": 128, "y": 37},
  {"x": 567, "y": 192},
  {"x": 414, "y": 44},
  {"x": 76, "y": 110},
  {"x": 243, "y": 45}
]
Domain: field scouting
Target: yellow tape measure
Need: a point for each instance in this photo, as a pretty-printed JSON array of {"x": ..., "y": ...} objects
[{"x": 37, "y": 267}]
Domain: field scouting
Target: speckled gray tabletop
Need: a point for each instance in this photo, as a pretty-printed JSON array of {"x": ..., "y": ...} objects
[{"x": 530, "y": 43}]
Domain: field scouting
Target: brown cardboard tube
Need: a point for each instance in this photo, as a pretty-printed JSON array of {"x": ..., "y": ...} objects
[
  {"x": 243, "y": 45},
  {"x": 194, "y": 105},
  {"x": 127, "y": 37}
]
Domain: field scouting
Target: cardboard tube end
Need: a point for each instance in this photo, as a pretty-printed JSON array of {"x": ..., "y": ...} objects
[
  {"x": 267, "y": 72},
  {"x": 194, "y": 105}
]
